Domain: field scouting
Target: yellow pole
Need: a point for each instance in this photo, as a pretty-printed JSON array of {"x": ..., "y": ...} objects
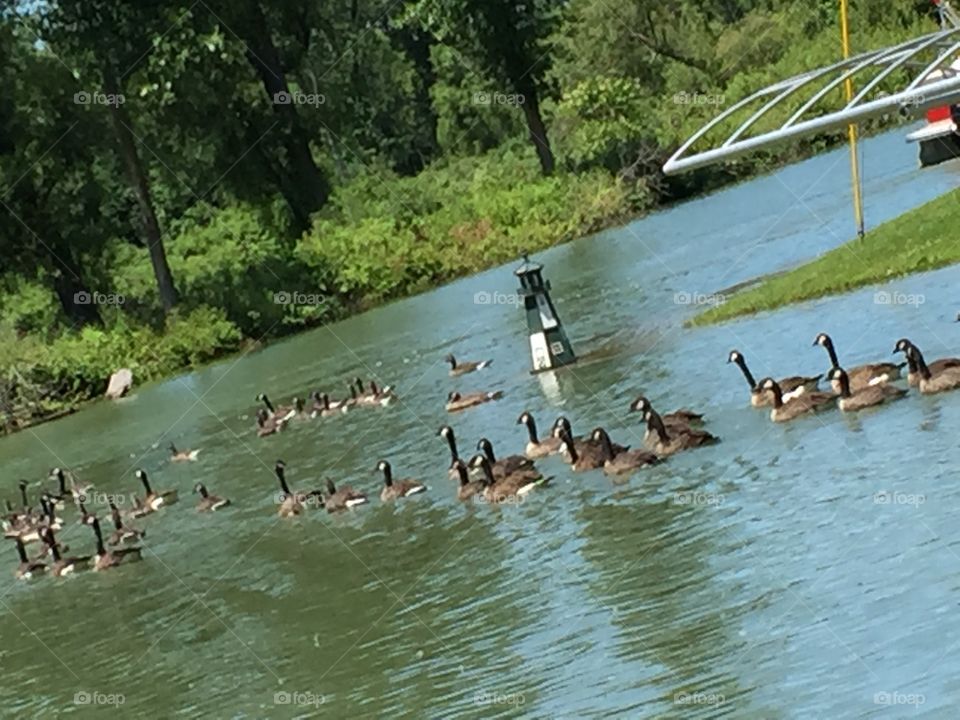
[{"x": 851, "y": 128}]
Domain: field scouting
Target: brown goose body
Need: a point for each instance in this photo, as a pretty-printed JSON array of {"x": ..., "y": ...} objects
[
  {"x": 666, "y": 442},
  {"x": 581, "y": 456},
  {"x": 860, "y": 376},
  {"x": 396, "y": 489},
  {"x": 790, "y": 387},
  {"x": 27, "y": 568},
  {"x": 122, "y": 534},
  {"x": 809, "y": 402},
  {"x": 463, "y": 368},
  {"x": 208, "y": 502},
  {"x": 343, "y": 499},
  {"x": 506, "y": 465},
  {"x": 269, "y": 424},
  {"x": 939, "y": 376},
  {"x": 291, "y": 504},
  {"x": 457, "y": 401},
  {"x": 466, "y": 488},
  {"x": 625, "y": 462},
  {"x": 516, "y": 484},
  {"x": 869, "y": 396},
  {"x": 63, "y": 566},
  {"x": 105, "y": 559},
  {"x": 535, "y": 447}
]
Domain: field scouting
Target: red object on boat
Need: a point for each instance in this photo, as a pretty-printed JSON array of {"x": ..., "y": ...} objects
[{"x": 938, "y": 113}]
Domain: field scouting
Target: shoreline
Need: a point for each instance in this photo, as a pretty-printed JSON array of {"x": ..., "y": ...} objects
[{"x": 920, "y": 240}]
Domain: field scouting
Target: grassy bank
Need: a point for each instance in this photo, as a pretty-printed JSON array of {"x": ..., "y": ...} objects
[{"x": 922, "y": 239}]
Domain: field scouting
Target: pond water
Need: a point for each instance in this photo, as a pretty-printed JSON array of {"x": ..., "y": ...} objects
[{"x": 791, "y": 571}]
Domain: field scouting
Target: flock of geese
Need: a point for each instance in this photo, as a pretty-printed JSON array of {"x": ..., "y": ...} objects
[{"x": 485, "y": 477}]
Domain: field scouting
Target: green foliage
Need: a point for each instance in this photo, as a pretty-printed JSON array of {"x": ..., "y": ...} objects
[{"x": 466, "y": 216}]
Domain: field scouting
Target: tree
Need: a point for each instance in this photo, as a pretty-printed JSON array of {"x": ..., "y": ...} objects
[{"x": 506, "y": 40}]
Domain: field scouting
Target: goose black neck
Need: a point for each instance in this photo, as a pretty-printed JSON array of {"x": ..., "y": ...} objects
[
  {"x": 742, "y": 364},
  {"x": 655, "y": 423},
  {"x": 326, "y": 401},
  {"x": 452, "y": 442},
  {"x": 331, "y": 488},
  {"x": 387, "y": 475},
  {"x": 777, "y": 395},
  {"x": 115, "y": 514},
  {"x": 571, "y": 450},
  {"x": 453, "y": 362},
  {"x": 283, "y": 480},
  {"x": 54, "y": 550},
  {"x": 21, "y": 551},
  {"x": 921, "y": 363},
  {"x": 266, "y": 401},
  {"x": 23, "y": 496},
  {"x": 202, "y": 489},
  {"x": 844, "y": 385},
  {"x": 62, "y": 481},
  {"x": 828, "y": 344},
  {"x": 146, "y": 483},
  {"x": 532, "y": 429},
  {"x": 360, "y": 385},
  {"x": 488, "y": 451},
  {"x": 374, "y": 390},
  {"x": 464, "y": 477},
  {"x": 95, "y": 524},
  {"x": 487, "y": 472}
]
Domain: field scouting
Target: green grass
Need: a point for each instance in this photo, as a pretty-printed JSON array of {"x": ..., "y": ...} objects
[{"x": 923, "y": 239}]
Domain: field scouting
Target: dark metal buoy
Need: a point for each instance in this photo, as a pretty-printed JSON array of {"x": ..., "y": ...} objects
[{"x": 549, "y": 346}]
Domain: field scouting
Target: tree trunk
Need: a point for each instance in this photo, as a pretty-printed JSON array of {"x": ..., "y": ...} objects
[
  {"x": 416, "y": 44},
  {"x": 305, "y": 187},
  {"x": 138, "y": 180},
  {"x": 538, "y": 131}
]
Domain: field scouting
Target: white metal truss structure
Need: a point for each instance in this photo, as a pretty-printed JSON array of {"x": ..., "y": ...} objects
[{"x": 934, "y": 82}]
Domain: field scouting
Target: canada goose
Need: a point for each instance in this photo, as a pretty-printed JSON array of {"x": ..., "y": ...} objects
[
  {"x": 664, "y": 442},
  {"x": 268, "y": 424},
  {"x": 324, "y": 407},
  {"x": 868, "y": 396},
  {"x": 27, "y": 568},
  {"x": 456, "y": 401},
  {"x": 64, "y": 493},
  {"x": 342, "y": 499},
  {"x": 463, "y": 368},
  {"x": 682, "y": 416},
  {"x": 625, "y": 462},
  {"x": 537, "y": 448},
  {"x": 182, "y": 455},
  {"x": 580, "y": 456},
  {"x": 208, "y": 502},
  {"x": 516, "y": 484},
  {"x": 153, "y": 501},
  {"x": 105, "y": 559},
  {"x": 861, "y": 376},
  {"x": 791, "y": 387},
  {"x": 291, "y": 503},
  {"x": 122, "y": 534},
  {"x": 915, "y": 360},
  {"x": 506, "y": 465},
  {"x": 582, "y": 444},
  {"x": 32, "y": 530},
  {"x": 809, "y": 402},
  {"x": 446, "y": 432},
  {"x": 383, "y": 396},
  {"x": 61, "y": 565},
  {"x": 396, "y": 489},
  {"x": 467, "y": 487},
  {"x": 281, "y": 412}
]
